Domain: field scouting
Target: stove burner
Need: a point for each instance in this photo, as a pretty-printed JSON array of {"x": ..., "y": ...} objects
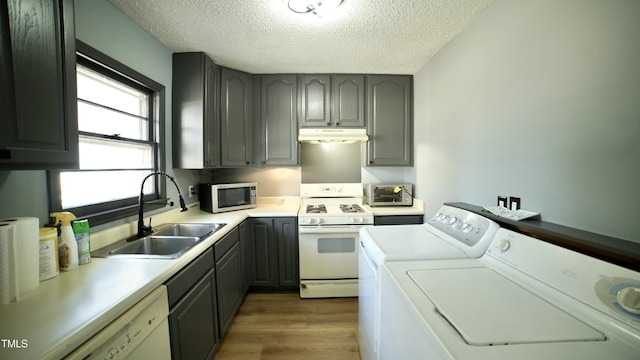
[
  {"x": 316, "y": 209},
  {"x": 354, "y": 208}
]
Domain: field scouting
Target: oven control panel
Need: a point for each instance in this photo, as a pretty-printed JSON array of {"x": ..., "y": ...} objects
[{"x": 465, "y": 226}]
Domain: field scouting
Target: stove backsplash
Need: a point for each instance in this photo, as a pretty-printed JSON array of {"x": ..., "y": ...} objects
[{"x": 330, "y": 163}]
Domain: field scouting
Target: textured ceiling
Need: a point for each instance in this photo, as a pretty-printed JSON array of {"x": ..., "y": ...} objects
[{"x": 264, "y": 36}]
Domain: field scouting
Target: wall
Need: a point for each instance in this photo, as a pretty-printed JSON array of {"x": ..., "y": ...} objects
[
  {"x": 537, "y": 99},
  {"x": 272, "y": 181}
]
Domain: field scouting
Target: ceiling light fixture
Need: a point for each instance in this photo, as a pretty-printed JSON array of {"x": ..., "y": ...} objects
[{"x": 320, "y": 8}]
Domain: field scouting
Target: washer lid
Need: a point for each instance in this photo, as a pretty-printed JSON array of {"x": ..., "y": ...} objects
[
  {"x": 486, "y": 308},
  {"x": 408, "y": 242}
]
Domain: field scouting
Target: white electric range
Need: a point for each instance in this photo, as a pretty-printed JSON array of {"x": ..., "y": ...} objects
[
  {"x": 329, "y": 221},
  {"x": 523, "y": 299},
  {"x": 452, "y": 233}
]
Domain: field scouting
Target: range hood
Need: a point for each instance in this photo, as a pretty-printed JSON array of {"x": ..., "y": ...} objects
[{"x": 332, "y": 135}]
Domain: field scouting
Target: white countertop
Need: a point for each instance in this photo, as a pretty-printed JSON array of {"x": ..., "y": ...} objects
[
  {"x": 416, "y": 209},
  {"x": 63, "y": 312}
]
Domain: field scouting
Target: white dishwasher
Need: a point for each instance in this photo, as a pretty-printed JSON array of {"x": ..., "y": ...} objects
[{"x": 142, "y": 332}]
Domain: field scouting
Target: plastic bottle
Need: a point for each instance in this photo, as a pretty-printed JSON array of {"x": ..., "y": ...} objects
[
  {"x": 49, "y": 264},
  {"x": 67, "y": 247},
  {"x": 81, "y": 233}
]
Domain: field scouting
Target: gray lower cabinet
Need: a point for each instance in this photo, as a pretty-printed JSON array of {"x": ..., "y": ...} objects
[
  {"x": 275, "y": 254},
  {"x": 38, "y": 109},
  {"x": 398, "y": 219},
  {"x": 228, "y": 278},
  {"x": 389, "y": 120},
  {"x": 195, "y": 112},
  {"x": 246, "y": 254},
  {"x": 236, "y": 109},
  {"x": 286, "y": 232},
  {"x": 279, "y": 120},
  {"x": 193, "y": 310}
]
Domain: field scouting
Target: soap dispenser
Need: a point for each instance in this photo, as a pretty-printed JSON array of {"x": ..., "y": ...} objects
[{"x": 67, "y": 247}]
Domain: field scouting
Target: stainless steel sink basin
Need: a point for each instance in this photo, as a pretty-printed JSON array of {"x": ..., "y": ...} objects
[
  {"x": 169, "y": 241},
  {"x": 196, "y": 230},
  {"x": 171, "y": 246}
]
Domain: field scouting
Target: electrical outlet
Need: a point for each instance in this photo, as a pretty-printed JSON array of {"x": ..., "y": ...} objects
[
  {"x": 502, "y": 201},
  {"x": 514, "y": 203},
  {"x": 191, "y": 191}
]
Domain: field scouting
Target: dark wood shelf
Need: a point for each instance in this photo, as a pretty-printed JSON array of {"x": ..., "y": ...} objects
[{"x": 617, "y": 251}]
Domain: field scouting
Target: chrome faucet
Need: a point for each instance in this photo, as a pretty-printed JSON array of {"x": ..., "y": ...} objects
[{"x": 142, "y": 229}]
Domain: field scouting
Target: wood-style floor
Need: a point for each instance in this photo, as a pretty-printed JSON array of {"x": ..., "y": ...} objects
[{"x": 283, "y": 326}]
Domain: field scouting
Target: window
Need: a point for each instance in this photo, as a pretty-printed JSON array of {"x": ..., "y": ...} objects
[{"x": 120, "y": 114}]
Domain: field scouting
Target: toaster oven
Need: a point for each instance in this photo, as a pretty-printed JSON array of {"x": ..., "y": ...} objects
[{"x": 389, "y": 194}]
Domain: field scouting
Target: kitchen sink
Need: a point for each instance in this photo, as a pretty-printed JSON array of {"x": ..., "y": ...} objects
[
  {"x": 169, "y": 241},
  {"x": 171, "y": 246},
  {"x": 195, "y": 230}
]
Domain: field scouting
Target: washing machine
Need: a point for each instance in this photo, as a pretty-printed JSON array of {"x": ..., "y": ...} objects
[
  {"x": 452, "y": 233},
  {"x": 523, "y": 299}
]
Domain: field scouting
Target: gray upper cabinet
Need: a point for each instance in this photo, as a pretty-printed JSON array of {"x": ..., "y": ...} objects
[
  {"x": 235, "y": 118},
  {"x": 314, "y": 100},
  {"x": 196, "y": 119},
  {"x": 347, "y": 100},
  {"x": 331, "y": 100},
  {"x": 38, "y": 85},
  {"x": 389, "y": 120},
  {"x": 279, "y": 120}
]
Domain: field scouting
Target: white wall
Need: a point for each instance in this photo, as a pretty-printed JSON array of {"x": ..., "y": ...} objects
[{"x": 537, "y": 99}]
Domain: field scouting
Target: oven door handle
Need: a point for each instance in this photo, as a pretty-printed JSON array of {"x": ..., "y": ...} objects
[{"x": 329, "y": 229}]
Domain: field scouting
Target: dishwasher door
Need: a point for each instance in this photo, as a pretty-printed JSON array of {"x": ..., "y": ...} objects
[{"x": 142, "y": 332}]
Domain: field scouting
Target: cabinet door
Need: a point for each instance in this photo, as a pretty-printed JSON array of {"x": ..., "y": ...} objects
[
  {"x": 279, "y": 120},
  {"x": 193, "y": 322},
  {"x": 389, "y": 120},
  {"x": 7, "y": 101},
  {"x": 38, "y": 85},
  {"x": 347, "y": 100},
  {"x": 211, "y": 115},
  {"x": 286, "y": 232},
  {"x": 246, "y": 254},
  {"x": 229, "y": 286},
  {"x": 195, "y": 120},
  {"x": 265, "y": 254},
  {"x": 314, "y": 100},
  {"x": 235, "y": 118}
]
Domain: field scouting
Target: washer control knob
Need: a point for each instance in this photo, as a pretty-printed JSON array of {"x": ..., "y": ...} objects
[
  {"x": 629, "y": 299},
  {"x": 453, "y": 220},
  {"x": 444, "y": 218},
  {"x": 505, "y": 245},
  {"x": 466, "y": 228}
]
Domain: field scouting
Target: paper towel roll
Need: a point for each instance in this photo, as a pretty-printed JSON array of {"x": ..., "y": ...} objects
[{"x": 19, "y": 266}]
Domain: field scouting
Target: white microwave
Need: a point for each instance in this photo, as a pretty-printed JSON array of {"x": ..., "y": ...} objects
[{"x": 216, "y": 198}]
